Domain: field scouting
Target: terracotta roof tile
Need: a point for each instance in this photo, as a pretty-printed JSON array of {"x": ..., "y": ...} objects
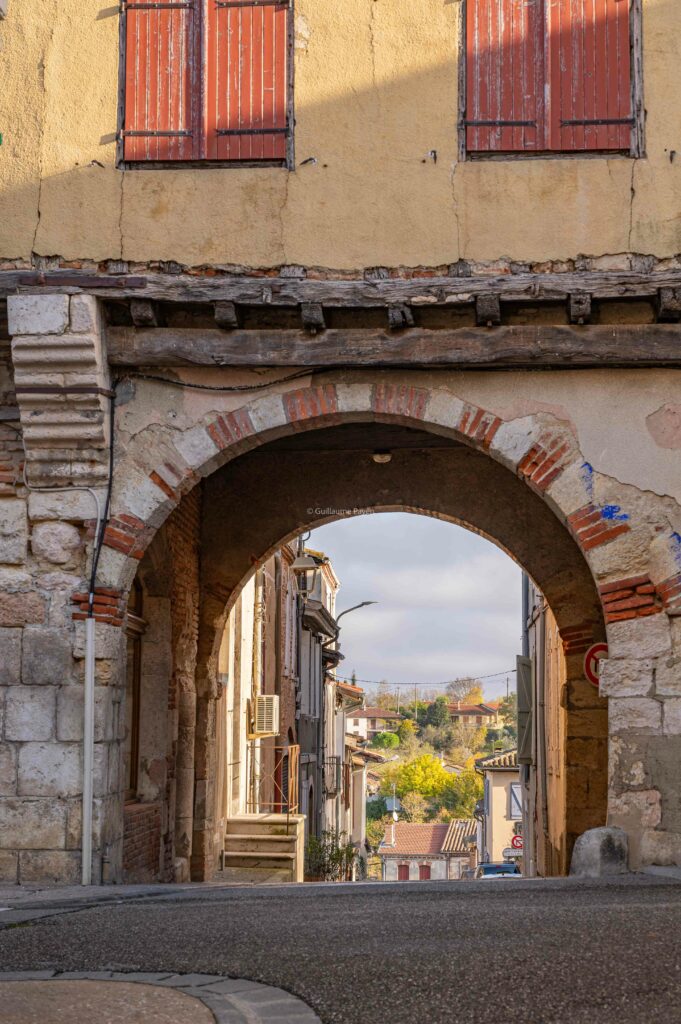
[
  {"x": 505, "y": 759},
  {"x": 461, "y": 831},
  {"x": 375, "y": 713},
  {"x": 414, "y": 840}
]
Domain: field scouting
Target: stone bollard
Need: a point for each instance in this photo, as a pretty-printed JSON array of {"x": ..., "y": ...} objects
[{"x": 599, "y": 853}]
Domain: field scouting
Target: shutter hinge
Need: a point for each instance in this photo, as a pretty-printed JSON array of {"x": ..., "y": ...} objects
[
  {"x": 582, "y": 122},
  {"x": 252, "y": 3},
  {"x": 148, "y": 5},
  {"x": 153, "y": 135},
  {"x": 500, "y": 124}
]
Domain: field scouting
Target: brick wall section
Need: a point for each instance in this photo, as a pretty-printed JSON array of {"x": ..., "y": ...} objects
[
  {"x": 11, "y": 446},
  {"x": 141, "y": 842},
  {"x": 594, "y": 526},
  {"x": 400, "y": 400},
  {"x": 311, "y": 403},
  {"x": 632, "y": 598},
  {"x": 230, "y": 428},
  {"x": 109, "y": 606},
  {"x": 577, "y": 639},
  {"x": 545, "y": 460},
  {"x": 670, "y": 591},
  {"x": 127, "y": 534},
  {"x": 479, "y": 425}
]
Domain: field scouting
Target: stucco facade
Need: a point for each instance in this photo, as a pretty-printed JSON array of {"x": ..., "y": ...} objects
[
  {"x": 376, "y": 93},
  {"x": 230, "y": 346}
]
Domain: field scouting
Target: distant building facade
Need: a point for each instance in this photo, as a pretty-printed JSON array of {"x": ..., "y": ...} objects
[
  {"x": 501, "y": 814},
  {"x": 368, "y": 723},
  {"x": 474, "y": 716},
  {"x": 412, "y": 852}
]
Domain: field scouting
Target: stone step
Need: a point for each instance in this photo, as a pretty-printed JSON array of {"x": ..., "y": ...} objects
[
  {"x": 265, "y": 824},
  {"x": 254, "y": 876},
  {"x": 257, "y": 859},
  {"x": 259, "y": 842}
]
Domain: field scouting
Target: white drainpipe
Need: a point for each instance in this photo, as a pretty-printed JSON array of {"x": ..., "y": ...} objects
[{"x": 88, "y": 750}]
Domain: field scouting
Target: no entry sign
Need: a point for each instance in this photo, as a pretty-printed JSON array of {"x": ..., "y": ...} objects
[{"x": 591, "y": 660}]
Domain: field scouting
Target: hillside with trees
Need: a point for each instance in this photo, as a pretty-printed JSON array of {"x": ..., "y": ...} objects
[{"x": 430, "y": 762}]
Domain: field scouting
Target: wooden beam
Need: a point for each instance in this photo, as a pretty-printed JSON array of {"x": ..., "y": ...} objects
[
  {"x": 400, "y": 317},
  {"x": 504, "y": 347},
  {"x": 285, "y": 291},
  {"x": 143, "y": 313},
  {"x": 488, "y": 310},
  {"x": 669, "y": 305},
  {"x": 312, "y": 316},
  {"x": 226, "y": 316},
  {"x": 579, "y": 308}
]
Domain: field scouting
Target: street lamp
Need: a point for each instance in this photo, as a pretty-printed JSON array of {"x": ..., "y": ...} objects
[
  {"x": 354, "y": 608},
  {"x": 306, "y": 569}
]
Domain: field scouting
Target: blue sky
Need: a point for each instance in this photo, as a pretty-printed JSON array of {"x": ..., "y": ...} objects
[{"x": 449, "y": 601}]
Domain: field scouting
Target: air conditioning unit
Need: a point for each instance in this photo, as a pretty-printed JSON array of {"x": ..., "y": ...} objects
[{"x": 263, "y": 716}]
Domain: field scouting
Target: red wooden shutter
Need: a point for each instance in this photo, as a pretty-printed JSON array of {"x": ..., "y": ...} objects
[
  {"x": 589, "y": 58},
  {"x": 504, "y": 75},
  {"x": 161, "y": 80},
  {"x": 246, "y": 84}
]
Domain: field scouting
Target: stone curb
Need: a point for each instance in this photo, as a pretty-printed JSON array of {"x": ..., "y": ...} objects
[{"x": 231, "y": 1000}]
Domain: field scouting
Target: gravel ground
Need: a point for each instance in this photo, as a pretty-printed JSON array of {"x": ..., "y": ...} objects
[{"x": 415, "y": 953}]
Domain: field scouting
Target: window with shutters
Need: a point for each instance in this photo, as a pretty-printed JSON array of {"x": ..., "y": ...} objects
[
  {"x": 516, "y": 802},
  {"x": 206, "y": 82},
  {"x": 551, "y": 76}
]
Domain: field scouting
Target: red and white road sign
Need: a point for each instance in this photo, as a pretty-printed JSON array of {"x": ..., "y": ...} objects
[
  {"x": 517, "y": 842},
  {"x": 591, "y": 660}
]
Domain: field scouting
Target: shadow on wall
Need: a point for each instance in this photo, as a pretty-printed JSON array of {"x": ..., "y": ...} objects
[{"x": 376, "y": 193}]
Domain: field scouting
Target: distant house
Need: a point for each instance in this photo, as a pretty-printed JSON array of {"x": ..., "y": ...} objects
[
  {"x": 474, "y": 715},
  {"x": 370, "y": 721},
  {"x": 501, "y": 812},
  {"x": 413, "y": 852}
]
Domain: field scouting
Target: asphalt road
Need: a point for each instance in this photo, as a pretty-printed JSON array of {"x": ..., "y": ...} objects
[{"x": 413, "y": 953}]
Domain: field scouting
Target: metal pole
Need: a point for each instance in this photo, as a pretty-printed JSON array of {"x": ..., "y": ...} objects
[{"x": 88, "y": 749}]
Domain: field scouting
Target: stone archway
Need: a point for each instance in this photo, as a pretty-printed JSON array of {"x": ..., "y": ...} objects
[
  {"x": 534, "y": 461},
  {"x": 609, "y": 559}
]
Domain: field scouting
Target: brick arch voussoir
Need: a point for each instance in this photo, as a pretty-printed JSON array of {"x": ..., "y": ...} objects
[{"x": 541, "y": 450}]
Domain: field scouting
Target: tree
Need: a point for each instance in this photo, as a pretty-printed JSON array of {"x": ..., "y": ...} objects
[
  {"x": 424, "y": 775},
  {"x": 385, "y": 698},
  {"x": 376, "y": 829},
  {"x": 438, "y": 713},
  {"x": 416, "y": 710},
  {"x": 466, "y": 689},
  {"x": 406, "y": 729},
  {"x": 461, "y": 794},
  {"x": 376, "y": 809},
  {"x": 508, "y": 710},
  {"x": 385, "y": 741},
  {"x": 414, "y": 807}
]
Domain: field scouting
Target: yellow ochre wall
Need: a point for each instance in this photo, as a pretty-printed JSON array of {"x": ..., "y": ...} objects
[{"x": 375, "y": 92}]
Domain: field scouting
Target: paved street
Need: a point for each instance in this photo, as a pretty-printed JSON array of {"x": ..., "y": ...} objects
[{"x": 414, "y": 953}]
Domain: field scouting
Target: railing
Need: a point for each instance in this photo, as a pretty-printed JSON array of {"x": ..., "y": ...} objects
[
  {"x": 332, "y": 775},
  {"x": 347, "y": 784},
  {"x": 273, "y": 779}
]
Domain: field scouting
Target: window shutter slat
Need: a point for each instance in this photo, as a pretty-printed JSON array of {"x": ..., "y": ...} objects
[
  {"x": 590, "y": 79},
  {"x": 504, "y": 75},
  {"x": 246, "y": 80},
  {"x": 160, "y": 81}
]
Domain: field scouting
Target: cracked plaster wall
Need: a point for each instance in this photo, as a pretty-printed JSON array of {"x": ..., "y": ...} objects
[{"x": 376, "y": 92}]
